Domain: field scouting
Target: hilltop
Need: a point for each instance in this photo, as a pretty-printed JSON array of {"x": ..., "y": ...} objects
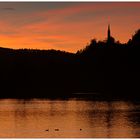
[{"x": 108, "y": 68}]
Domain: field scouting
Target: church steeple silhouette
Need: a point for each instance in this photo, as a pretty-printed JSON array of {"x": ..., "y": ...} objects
[
  {"x": 110, "y": 39},
  {"x": 108, "y": 33}
]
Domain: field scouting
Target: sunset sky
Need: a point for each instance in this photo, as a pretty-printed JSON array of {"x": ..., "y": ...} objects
[{"x": 66, "y": 26}]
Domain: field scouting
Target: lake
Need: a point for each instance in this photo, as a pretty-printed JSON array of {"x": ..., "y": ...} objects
[{"x": 71, "y": 118}]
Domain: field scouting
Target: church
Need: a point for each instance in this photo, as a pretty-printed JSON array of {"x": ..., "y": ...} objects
[{"x": 110, "y": 40}]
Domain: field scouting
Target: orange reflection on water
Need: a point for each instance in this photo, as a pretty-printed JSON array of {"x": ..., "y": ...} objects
[{"x": 73, "y": 119}]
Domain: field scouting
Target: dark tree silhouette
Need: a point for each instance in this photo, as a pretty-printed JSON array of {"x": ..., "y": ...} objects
[{"x": 108, "y": 68}]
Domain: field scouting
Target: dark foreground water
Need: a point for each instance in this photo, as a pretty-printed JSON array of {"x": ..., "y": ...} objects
[{"x": 69, "y": 118}]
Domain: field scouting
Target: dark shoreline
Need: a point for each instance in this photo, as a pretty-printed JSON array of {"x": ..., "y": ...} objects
[{"x": 85, "y": 96}]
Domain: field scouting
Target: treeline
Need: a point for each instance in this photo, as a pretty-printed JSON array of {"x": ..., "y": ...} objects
[{"x": 108, "y": 68}]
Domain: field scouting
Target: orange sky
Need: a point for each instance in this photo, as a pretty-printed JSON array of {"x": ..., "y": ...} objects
[{"x": 66, "y": 26}]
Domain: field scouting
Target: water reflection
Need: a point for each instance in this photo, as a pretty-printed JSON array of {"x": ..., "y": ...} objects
[{"x": 72, "y": 118}]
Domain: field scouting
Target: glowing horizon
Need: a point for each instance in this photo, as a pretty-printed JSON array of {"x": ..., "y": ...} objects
[{"x": 67, "y": 26}]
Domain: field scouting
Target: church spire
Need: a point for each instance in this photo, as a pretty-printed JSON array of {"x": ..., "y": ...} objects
[
  {"x": 110, "y": 39},
  {"x": 108, "y": 33}
]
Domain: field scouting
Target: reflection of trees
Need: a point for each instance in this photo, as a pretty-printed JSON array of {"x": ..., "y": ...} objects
[
  {"x": 134, "y": 115},
  {"x": 20, "y": 116}
]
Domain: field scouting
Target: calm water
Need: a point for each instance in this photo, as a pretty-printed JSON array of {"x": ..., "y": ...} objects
[{"x": 22, "y": 118}]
